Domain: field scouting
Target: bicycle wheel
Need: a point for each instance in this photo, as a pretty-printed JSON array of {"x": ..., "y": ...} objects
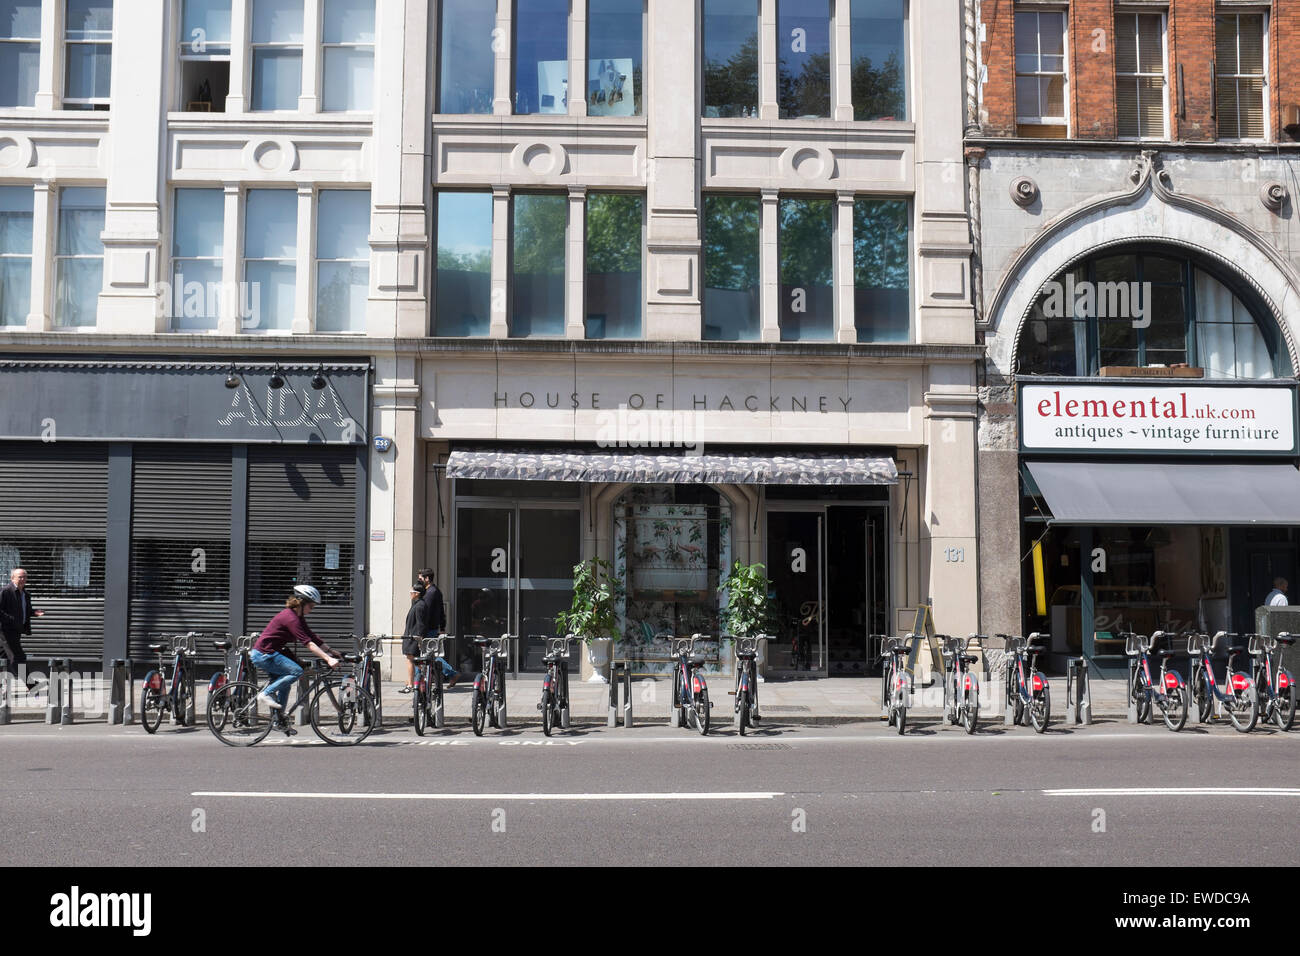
[
  {"x": 742, "y": 712},
  {"x": 952, "y": 698},
  {"x": 886, "y": 685},
  {"x": 478, "y": 712},
  {"x": 420, "y": 701},
  {"x": 702, "y": 711},
  {"x": 342, "y": 713},
  {"x": 971, "y": 716},
  {"x": 1284, "y": 709},
  {"x": 1175, "y": 709},
  {"x": 679, "y": 702},
  {"x": 1245, "y": 709},
  {"x": 900, "y": 715},
  {"x": 1202, "y": 697},
  {"x": 1141, "y": 700},
  {"x": 152, "y": 704},
  {"x": 499, "y": 718},
  {"x": 548, "y": 712},
  {"x": 234, "y": 716},
  {"x": 1040, "y": 710}
]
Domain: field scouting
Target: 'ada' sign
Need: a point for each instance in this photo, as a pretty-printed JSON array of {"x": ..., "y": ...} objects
[{"x": 1186, "y": 419}]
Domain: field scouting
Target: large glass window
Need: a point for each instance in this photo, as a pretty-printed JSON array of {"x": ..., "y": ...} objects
[
  {"x": 1240, "y": 74},
  {"x": 20, "y": 52},
  {"x": 879, "y": 60},
  {"x": 271, "y": 257},
  {"x": 79, "y": 260},
  {"x": 198, "y": 228},
  {"x": 15, "y": 255},
  {"x": 803, "y": 56},
  {"x": 1140, "y": 75},
  {"x": 205, "y": 55},
  {"x": 88, "y": 51},
  {"x": 466, "y": 63},
  {"x": 1135, "y": 309},
  {"x": 614, "y": 238},
  {"x": 805, "y": 244},
  {"x": 541, "y": 29},
  {"x": 1040, "y": 73},
  {"x": 881, "y": 270},
  {"x": 731, "y": 256},
  {"x": 615, "y": 83},
  {"x": 537, "y": 240},
  {"x": 277, "y": 54},
  {"x": 730, "y": 57},
  {"x": 463, "y": 292},
  {"x": 342, "y": 260},
  {"x": 348, "y": 46}
]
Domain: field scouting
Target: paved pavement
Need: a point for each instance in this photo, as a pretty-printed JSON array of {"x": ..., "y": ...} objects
[{"x": 853, "y": 794}]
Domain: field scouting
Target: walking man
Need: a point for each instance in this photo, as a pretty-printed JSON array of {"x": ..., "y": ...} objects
[
  {"x": 16, "y": 613},
  {"x": 436, "y": 618}
]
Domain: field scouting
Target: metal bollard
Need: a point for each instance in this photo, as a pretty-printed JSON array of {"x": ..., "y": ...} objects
[
  {"x": 302, "y": 716},
  {"x": 117, "y": 691},
  {"x": 6, "y": 681},
  {"x": 620, "y": 676},
  {"x": 54, "y": 689},
  {"x": 1078, "y": 692},
  {"x": 66, "y": 717},
  {"x": 1131, "y": 703}
]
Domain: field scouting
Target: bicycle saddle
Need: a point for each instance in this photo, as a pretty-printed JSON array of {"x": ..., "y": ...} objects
[
  {"x": 158, "y": 647},
  {"x": 747, "y": 655},
  {"x": 1164, "y": 653},
  {"x": 482, "y": 641},
  {"x": 1285, "y": 638},
  {"x": 350, "y": 658},
  {"x": 966, "y": 659},
  {"x": 222, "y": 645}
]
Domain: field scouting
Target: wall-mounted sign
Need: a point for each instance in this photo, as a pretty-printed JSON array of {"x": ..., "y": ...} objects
[
  {"x": 1164, "y": 418},
  {"x": 383, "y": 444}
]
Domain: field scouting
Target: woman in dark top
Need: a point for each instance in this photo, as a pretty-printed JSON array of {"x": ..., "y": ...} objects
[{"x": 287, "y": 628}]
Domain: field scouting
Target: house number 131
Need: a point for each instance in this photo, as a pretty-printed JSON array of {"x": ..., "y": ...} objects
[{"x": 955, "y": 555}]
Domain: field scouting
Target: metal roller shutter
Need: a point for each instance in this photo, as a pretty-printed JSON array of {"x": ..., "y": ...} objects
[
  {"x": 180, "y": 544},
  {"x": 302, "y": 520},
  {"x": 53, "y": 520}
]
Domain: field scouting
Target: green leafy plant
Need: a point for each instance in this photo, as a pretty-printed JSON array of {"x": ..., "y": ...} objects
[
  {"x": 747, "y": 613},
  {"x": 592, "y": 614}
]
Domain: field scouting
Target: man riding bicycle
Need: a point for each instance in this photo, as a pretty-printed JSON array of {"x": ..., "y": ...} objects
[{"x": 287, "y": 628}]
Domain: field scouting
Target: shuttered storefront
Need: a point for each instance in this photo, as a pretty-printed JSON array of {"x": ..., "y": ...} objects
[
  {"x": 180, "y": 544},
  {"x": 302, "y": 528},
  {"x": 53, "y": 522}
]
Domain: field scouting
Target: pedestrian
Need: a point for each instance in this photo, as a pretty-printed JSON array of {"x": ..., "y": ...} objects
[
  {"x": 436, "y": 619},
  {"x": 16, "y": 613},
  {"x": 1277, "y": 596},
  {"x": 411, "y": 634}
]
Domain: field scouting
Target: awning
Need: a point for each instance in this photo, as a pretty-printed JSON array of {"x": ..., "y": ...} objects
[
  {"x": 1122, "y": 493},
  {"x": 665, "y": 469}
]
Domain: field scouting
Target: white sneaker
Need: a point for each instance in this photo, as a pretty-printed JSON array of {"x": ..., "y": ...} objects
[{"x": 269, "y": 701}]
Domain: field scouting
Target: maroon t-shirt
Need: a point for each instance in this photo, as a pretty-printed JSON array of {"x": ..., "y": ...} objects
[{"x": 285, "y": 628}]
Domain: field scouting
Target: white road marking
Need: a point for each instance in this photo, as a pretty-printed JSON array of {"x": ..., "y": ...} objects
[
  {"x": 1176, "y": 792},
  {"x": 495, "y": 797}
]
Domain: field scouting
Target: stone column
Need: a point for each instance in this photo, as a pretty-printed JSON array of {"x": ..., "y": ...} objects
[
  {"x": 578, "y": 58},
  {"x": 769, "y": 105},
  {"x": 309, "y": 99},
  {"x": 769, "y": 306},
  {"x": 503, "y": 101},
  {"x": 950, "y": 499},
  {"x": 233, "y": 297},
  {"x": 842, "y": 61},
  {"x": 500, "y": 327},
  {"x": 397, "y": 492},
  {"x": 304, "y": 308},
  {"x": 45, "y": 210},
  {"x": 49, "y": 82},
  {"x": 237, "y": 97},
  {"x": 575, "y": 267},
  {"x": 846, "y": 330}
]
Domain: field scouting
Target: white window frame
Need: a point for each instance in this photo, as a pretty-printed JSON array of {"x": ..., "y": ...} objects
[
  {"x": 178, "y": 293},
  {"x": 27, "y": 41},
  {"x": 301, "y": 46},
  {"x": 186, "y": 54},
  {"x": 317, "y": 259},
  {"x": 59, "y": 257},
  {"x": 348, "y": 45},
  {"x": 91, "y": 101},
  {"x": 1040, "y": 120},
  {"x": 300, "y": 258},
  {"x": 1164, "y": 72},
  {"x": 1264, "y": 92}
]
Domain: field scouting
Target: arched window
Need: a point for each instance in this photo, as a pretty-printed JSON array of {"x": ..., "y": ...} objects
[{"x": 1140, "y": 308}]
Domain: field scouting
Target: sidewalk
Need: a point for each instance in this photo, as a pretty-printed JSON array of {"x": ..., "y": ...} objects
[{"x": 830, "y": 700}]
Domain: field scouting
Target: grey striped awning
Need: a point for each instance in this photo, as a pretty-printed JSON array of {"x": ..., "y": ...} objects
[{"x": 672, "y": 469}]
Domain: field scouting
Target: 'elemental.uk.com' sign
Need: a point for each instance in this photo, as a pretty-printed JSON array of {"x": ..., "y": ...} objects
[{"x": 1192, "y": 419}]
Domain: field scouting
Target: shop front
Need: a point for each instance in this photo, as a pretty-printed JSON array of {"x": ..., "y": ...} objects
[
  {"x": 148, "y": 496},
  {"x": 673, "y": 472}
]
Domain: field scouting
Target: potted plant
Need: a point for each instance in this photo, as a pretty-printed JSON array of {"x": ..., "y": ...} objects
[
  {"x": 592, "y": 616},
  {"x": 748, "y": 613}
]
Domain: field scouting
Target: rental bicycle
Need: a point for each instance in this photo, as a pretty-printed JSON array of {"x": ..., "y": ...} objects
[
  {"x": 1168, "y": 692},
  {"x": 746, "y": 683},
  {"x": 242, "y": 669},
  {"x": 427, "y": 700},
  {"x": 690, "y": 689},
  {"x": 368, "y": 649},
  {"x": 1239, "y": 696},
  {"x": 340, "y": 710},
  {"x": 554, "y": 704},
  {"x": 1028, "y": 692},
  {"x": 895, "y": 683},
  {"x": 1275, "y": 683},
  {"x": 175, "y": 694},
  {"x": 489, "y": 701},
  {"x": 961, "y": 685}
]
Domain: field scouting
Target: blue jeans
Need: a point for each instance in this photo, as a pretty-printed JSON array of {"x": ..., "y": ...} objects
[{"x": 280, "y": 667}]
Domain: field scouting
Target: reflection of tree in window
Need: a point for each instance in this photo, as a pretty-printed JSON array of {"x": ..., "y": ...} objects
[
  {"x": 613, "y": 253},
  {"x": 805, "y": 248},
  {"x": 878, "y": 60},
  {"x": 731, "y": 255},
  {"x": 537, "y": 262},
  {"x": 881, "y": 270},
  {"x": 730, "y": 58}
]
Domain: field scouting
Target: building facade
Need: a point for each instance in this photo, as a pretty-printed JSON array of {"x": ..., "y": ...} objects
[
  {"x": 493, "y": 289},
  {"x": 1131, "y": 170}
]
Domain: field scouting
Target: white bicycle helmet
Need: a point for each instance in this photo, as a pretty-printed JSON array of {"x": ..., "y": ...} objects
[{"x": 307, "y": 593}]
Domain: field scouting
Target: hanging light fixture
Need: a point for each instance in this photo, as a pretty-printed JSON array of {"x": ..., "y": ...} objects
[
  {"x": 277, "y": 378},
  {"x": 232, "y": 380},
  {"x": 318, "y": 380}
]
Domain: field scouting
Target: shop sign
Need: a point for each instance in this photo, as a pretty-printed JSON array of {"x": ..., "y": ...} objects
[{"x": 1161, "y": 418}]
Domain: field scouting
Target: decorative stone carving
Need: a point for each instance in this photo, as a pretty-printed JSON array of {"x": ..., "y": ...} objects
[
  {"x": 1273, "y": 195},
  {"x": 1024, "y": 191}
]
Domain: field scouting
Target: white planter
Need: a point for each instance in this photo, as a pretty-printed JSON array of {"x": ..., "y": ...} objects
[{"x": 599, "y": 653}]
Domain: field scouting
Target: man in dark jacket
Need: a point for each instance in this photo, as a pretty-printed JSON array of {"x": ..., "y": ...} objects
[
  {"x": 16, "y": 613},
  {"x": 436, "y": 618},
  {"x": 411, "y": 634}
]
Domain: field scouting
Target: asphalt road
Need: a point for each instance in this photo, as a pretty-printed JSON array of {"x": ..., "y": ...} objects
[{"x": 92, "y": 795}]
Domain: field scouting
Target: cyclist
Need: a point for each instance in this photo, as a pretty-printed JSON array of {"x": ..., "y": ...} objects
[{"x": 287, "y": 628}]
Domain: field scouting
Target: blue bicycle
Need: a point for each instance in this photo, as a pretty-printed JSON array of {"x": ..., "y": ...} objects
[
  {"x": 1169, "y": 693},
  {"x": 160, "y": 694},
  {"x": 1028, "y": 691},
  {"x": 690, "y": 690},
  {"x": 1239, "y": 696}
]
